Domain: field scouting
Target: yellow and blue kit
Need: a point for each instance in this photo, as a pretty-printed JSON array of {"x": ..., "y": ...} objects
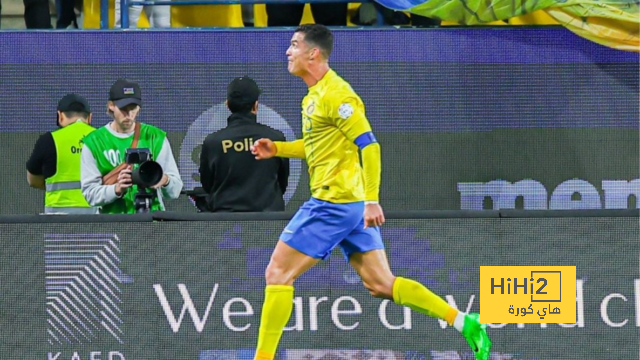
[{"x": 335, "y": 130}]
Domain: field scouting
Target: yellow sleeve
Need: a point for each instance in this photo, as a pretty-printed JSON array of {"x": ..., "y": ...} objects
[
  {"x": 290, "y": 149},
  {"x": 350, "y": 118},
  {"x": 372, "y": 167}
]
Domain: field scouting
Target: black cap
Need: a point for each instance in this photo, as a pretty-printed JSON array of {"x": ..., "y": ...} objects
[
  {"x": 74, "y": 102},
  {"x": 243, "y": 90},
  {"x": 124, "y": 92}
]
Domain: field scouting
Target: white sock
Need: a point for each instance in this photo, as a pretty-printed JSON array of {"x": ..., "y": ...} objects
[{"x": 458, "y": 323}]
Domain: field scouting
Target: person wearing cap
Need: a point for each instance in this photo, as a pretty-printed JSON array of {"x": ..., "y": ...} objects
[
  {"x": 105, "y": 149},
  {"x": 54, "y": 165},
  {"x": 233, "y": 179}
]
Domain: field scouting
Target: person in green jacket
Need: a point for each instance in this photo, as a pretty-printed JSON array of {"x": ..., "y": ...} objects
[
  {"x": 54, "y": 165},
  {"x": 105, "y": 149}
]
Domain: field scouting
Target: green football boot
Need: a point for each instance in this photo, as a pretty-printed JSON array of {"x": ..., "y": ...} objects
[{"x": 476, "y": 335}]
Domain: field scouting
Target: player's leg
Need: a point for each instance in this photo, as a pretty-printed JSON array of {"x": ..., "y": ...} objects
[
  {"x": 286, "y": 265},
  {"x": 365, "y": 251},
  {"x": 311, "y": 234},
  {"x": 373, "y": 268}
]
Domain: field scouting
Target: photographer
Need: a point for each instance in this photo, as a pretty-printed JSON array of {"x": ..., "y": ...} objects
[
  {"x": 231, "y": 176},
  {"x": 106, "y": 176}
]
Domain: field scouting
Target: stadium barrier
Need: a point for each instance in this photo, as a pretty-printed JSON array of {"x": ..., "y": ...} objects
[{"x": 177, "y": 286}]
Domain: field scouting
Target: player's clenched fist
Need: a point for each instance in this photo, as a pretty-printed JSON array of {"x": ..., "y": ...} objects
[
  {"x": 263, "y": 149},
  {"x": 373, "y": 215}
]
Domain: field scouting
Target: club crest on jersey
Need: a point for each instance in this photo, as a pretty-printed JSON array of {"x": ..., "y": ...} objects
[
  {"x": 345, "y": 110},
  {"x": 310, "y": 108}
]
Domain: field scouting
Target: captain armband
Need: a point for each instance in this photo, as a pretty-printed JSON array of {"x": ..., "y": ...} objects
[{"x": 365, "y": 140}]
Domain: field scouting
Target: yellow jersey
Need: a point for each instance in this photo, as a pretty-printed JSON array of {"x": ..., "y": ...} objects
[{"x": 333, "y": 116}]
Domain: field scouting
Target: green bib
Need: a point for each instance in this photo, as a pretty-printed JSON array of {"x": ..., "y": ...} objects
[{"x": 109, "y": 151}]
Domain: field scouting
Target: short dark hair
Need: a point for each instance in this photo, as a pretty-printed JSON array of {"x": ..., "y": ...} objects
[
  {"x": 76, "y": 109},
  {"x": 239, "y": 106},
  {"x": 72, "y": 114},
  {"x": 317, "y": 35}
]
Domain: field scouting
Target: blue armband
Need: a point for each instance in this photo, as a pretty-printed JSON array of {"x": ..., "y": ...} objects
[{"x": 365, "y": 139}]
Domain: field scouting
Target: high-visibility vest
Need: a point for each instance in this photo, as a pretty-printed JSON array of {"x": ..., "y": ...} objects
[{"x": 63, "y": 193}]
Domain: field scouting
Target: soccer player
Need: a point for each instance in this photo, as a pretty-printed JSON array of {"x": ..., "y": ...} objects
[{"x": 343, "y": 209}]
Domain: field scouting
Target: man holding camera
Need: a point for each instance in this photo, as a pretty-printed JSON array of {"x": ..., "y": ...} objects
[
  {"x": 115, "y": 172},
  {"x": 54, "y": 165}
]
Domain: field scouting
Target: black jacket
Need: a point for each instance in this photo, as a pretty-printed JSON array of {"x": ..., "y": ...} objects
[{"x": 233, "y": 179}]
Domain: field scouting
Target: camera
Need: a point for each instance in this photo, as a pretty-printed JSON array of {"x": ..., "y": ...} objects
[
  {"x": 137, "y": 156},
  {"x": 146, "y": 173}
]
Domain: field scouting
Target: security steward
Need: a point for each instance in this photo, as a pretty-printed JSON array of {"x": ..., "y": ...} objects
[
  {"x": 54, "y": 165},
  {"x": 230, "y": 175}
]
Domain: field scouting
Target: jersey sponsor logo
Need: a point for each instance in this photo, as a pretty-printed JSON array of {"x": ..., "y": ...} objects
[
  {"x": 345, "y": 110},
  {"x": 306, "y": 123},
  {"x": 311, "y": 108}
]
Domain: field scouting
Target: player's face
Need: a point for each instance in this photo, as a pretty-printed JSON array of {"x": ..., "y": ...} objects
[
  {"x": 298, "y": 54},
  {"x": 125, "y": 117}
]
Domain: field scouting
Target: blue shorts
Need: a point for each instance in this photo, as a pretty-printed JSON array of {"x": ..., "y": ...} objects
[{"x": 319, "y": 226}]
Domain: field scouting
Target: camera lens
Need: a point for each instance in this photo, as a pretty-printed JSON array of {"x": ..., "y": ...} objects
[{"x": 147, "y": 174}]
